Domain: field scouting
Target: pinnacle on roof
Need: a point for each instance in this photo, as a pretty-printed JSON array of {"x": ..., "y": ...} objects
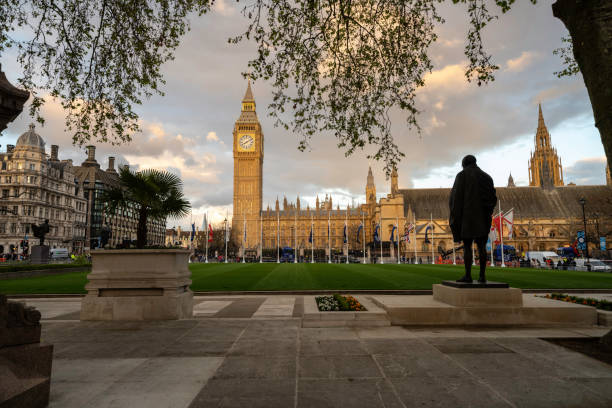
[
  {"x": 542, "y": 135},
  {"x": 248, "y": 95},
  {"x": 370, "y": 177}
]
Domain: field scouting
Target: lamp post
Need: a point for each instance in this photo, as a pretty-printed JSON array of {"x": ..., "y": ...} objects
[{"x": 582, "y": 202}]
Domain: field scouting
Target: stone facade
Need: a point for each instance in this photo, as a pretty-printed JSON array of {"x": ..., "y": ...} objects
[
  {"x": 123, "y": 225},
  {"x": 547, "y": 214},
  {"x": 35, "y": 187}
]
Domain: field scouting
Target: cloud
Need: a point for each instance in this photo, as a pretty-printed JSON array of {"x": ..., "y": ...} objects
[
  {"x": 212, "y": 136},
  {"x": 451, "y": 77},
  {"x": 521, "y": 62},
  {"x": 588, "y": 171}
]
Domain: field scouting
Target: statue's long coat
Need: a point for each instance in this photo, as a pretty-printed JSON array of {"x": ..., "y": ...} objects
[{"x": 472, "y": 202}]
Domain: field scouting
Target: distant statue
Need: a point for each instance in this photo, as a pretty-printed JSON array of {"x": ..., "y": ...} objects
[
  {"x": 105, "y": 235},
  {"x": 472, "y": 202},
  {"x": 40, "y": 231}
]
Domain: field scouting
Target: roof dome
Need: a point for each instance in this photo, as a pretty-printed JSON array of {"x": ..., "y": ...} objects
[{"x": 31, "y": 138}]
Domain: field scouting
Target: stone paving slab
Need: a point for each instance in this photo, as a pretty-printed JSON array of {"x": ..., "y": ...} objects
[
  {"x": 276, "y": 307},
  {"x": 210, "y": 307},
  {"x": 240, "y": 361}
]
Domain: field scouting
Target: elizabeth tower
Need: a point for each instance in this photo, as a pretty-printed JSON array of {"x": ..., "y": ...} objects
[{"x": 248, "y": 168}]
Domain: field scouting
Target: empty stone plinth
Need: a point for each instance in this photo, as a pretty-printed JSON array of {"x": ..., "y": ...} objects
[
  {"x": 139, "y": 284},
  {"x": 477, "y": 297}
]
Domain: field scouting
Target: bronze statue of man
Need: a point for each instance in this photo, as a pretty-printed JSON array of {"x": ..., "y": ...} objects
[
  {"x": 472, "y": 202},
  {"x": 40, "y": 231}
]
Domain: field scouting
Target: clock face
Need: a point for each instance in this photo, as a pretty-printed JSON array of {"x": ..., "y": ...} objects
[{"x": 246, "y": 142}]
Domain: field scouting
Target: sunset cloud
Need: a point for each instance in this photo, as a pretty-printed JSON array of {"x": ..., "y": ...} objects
[{"x": 521, "y": 62}]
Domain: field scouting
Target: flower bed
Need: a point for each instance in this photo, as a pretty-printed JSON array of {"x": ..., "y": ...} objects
[
  {"x": 599, "y": 304},
  {"x": 339, "y": 303}
]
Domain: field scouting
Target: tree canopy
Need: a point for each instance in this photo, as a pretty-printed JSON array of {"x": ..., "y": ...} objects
[
  {"x": 336, "y": 67},
  {"x": 100, "y": 58}
]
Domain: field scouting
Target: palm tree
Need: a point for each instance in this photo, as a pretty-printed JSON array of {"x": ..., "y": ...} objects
[{"x": 152, "y": 193}]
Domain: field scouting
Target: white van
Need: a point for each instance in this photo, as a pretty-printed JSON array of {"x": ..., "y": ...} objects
[
  {"x": 59, "y": 253},
  {"x": 540, "y": 255}
]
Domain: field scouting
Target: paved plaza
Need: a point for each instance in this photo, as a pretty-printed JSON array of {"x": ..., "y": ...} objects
[{"x": 251, "y": 351}]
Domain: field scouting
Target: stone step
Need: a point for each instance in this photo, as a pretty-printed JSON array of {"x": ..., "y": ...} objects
[{"x": 536, "y": 311}]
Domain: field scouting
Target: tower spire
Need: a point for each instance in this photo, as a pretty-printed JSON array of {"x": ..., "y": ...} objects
[{"x": 248, "y": 95}]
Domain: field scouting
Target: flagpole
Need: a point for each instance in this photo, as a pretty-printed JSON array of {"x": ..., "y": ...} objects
[
  {"x": 454, "y": 257},
  {"x": 277, "y": 237},
  {"x": 207, "y": 236},
  {"x": 244, "y": 231},
  {"x": 260, "y": 238},
  {"x": 501, "y": 233},
  {"x": 328, "y": 235},
  {"x": 473, "y": 255},
  {"x": 311, "y": 240},
  {"x": 416, "y": 260},
  {"x": 382, "y": 261},
  {"x": 363, "y": 234},
  {"x": 346, "y": 234},
  {"x": 397, "y": 237},
  {"x": 225, "y": 237},
  {"x": 433, "y": 259},
  {"x": 295, "y": 238}
]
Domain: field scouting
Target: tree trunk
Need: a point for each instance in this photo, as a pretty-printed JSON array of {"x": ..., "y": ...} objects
[
  {"x": 589, "y": 23},
  {"x": 141, "y": 233}
]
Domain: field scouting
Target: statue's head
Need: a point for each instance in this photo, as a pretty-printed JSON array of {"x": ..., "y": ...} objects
[
  {"x": 468, "y": 161},
  {"x": 46, "y": 221}
]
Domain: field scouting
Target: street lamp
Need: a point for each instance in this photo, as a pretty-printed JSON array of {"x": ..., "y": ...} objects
[{"x": 582, "y": 202}]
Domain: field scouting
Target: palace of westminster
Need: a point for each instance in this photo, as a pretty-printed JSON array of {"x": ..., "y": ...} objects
[{"x": 547, "y": 214}]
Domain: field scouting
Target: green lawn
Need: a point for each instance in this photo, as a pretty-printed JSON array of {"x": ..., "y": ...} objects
[{"x": 222, "y": 277}]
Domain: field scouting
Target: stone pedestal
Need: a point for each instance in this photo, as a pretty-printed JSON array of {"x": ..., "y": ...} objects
[
  {"x": 40, "y": 254},
  {"x": 483, "y": 304},
  {"x": 480, "y": 295},
  {"x": 138, "y": 284},
  {"x": 25, "y": 363}
]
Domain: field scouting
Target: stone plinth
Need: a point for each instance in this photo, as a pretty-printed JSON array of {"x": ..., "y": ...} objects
[
  {"x": 423, "y": 310},
  {"x": 478, "y": 297},
  {"x": 138, "y": 284},
  {"x": 25, "y": 363},
  {"x": 40, "y": 254}
]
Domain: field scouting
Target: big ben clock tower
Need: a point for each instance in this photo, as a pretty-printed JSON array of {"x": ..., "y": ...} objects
[{"x": 248, "y": 168}]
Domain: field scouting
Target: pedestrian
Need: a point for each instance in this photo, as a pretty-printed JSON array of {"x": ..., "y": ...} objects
[{"x": 471, "y": 203}]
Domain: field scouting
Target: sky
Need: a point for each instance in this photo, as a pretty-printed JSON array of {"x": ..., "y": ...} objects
[{"x": 189, "y": 130}]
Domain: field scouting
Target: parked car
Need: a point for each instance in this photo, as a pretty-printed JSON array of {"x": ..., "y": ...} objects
[{"x": 592, "y": 264}]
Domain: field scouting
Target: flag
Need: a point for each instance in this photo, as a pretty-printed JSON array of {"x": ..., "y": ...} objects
[
  {"x": 310, "y": 236},
  {"x": 392, "y": 233},
  {"x": 508, "y": 220},
  {"x": 245, "y": 231},
  {"x": 407, "y": 230},
  {"x": 192, "y": 231},
  {"x": 497, "y": 228},
  {"x": 358, "y": 232},
  {"x": 210, "y": 233},
  {"x": 376, "y": 237},
  {"x": 427, "y": 241},
  {"x": 344, "y": 233}
]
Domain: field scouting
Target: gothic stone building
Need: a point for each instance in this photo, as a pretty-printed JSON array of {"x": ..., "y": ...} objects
[{"x": 547, "y": 214}]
